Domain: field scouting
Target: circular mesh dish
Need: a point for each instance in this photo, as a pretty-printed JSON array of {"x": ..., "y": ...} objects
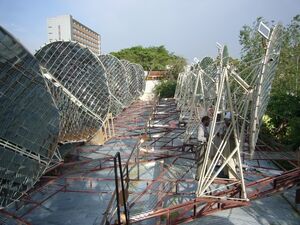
[
  {"x": 29, "y": 120},
  {"x": 133, "y": 78},
  {"x": 140, "y": 78},
  {"x": 79, "y": 86},
  {"x": 117, "y": 82}
]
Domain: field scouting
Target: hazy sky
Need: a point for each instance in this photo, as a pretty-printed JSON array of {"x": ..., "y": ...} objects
[{"x": 189, "y": 28}]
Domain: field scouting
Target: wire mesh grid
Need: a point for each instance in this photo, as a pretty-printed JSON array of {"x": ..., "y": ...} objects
[
  {"x": 244, "y": 94},
  {"x": 117, "y": 81},
  {"x": 59, "y": 95},
  {"x": 29, "y": 120},
  {"x": 76, "y": 72},
  {"x": 264, "y": 83},
  {"x": 133, "y": 74}
]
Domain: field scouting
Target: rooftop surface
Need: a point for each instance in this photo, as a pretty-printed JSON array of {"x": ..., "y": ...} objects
[{"x": 159, "y": 181}]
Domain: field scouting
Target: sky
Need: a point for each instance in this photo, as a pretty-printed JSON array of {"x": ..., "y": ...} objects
[{"x": 189, "y": 28}]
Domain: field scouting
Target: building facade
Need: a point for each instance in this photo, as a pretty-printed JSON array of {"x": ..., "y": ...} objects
[{"x": 67, "y": 28}]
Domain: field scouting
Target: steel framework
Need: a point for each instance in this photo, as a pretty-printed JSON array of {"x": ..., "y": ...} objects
[
  {"x": 62, "y": 94},
  {"x": 135, "y": 79},
  {"x": 117, "y": 81},
  {"x": 146, "y": 172},
  {"x": 221, "y": 91},
  {"x": 169, "y": 197},
  {"x": 78, "y": 83},
  {"x": 158, "y": 177},
  {"x": 262, "y": 89},
  {"x": 29, "y": 120}
]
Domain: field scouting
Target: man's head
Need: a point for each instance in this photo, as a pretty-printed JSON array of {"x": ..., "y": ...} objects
[
  {"x": 205, "y": 121},
  {"x": 227, "y": 119},
  {"x": 227, "y": 122}
]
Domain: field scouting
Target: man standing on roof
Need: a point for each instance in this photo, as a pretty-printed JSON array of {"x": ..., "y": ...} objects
[{"x": 202, "y": 139}]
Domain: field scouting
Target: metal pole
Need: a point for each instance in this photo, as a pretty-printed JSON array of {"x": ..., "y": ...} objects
[
  {"x": 138, "y": 160},
  {"x": 203, "y": 173},
  {"x": 122, "y": 185},
  {"x": 127, "y": 174},
  {"x": 117, "y": 188}
]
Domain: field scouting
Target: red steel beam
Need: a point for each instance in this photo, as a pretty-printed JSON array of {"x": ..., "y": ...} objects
[{"x": 13, "y": 216}]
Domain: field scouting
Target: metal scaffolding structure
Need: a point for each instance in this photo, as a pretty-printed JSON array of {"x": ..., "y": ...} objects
[
  {"x": 221, "y": 92},
  {"x": 159, "y": 182},
  {"x": 195, "y": 95},
  {"x": 262, "y": 89},
  {"x": 158, "y": 172},
  {"x": 62, "y": 94},
  {"x": 145, "y": 173}
]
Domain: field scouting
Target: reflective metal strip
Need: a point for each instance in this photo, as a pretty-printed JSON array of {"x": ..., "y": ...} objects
[
  {"x": 69, "y": 94},
  {"x": 22, "y": 151}
]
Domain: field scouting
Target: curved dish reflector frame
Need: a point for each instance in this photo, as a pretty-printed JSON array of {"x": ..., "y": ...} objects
[
  {"x": 29, "y": 120},
  {"x": 117, "y": 81},
  {"x": 261, "y": 93},
  {"x": 78, "y": 83},
  {"x": 133, "y": 78}
]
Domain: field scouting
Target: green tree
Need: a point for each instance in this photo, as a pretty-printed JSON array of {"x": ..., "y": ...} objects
[
  {"x": 165, "y": 89},
  {"x": 153, "y": 58},
  {"x": 206, "y": 62},
  {"x": 176, "y": 65},
  {"x": 287, "y": 80},
  {"x": 225, "y": 55}
]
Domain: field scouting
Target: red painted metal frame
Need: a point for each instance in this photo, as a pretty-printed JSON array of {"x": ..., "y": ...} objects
[
  {"x": 131, "y": 124},
  {"x": 203, "y": 206},
  {"x": 132, "y": 115}
]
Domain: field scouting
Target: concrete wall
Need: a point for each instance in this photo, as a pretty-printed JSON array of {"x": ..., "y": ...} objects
[{"x": 149, "y": 94}]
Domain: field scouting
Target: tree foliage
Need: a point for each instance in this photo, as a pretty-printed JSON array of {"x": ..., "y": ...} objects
[
  {"x": 165, "y": 89},
  {"x": 206, "y": 62},
  {"x": 153, "y": 58},
  {"x": 283, "y": 112},
  {"x": 253, "y": 44},
  {"x": 176, "y": 66}
]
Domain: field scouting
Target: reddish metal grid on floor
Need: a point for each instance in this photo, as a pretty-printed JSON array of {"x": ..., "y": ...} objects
[{"x": 173, "y": 179}]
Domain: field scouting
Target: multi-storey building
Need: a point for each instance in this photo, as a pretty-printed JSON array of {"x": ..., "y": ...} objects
[{"x": 67, "y": 28}]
